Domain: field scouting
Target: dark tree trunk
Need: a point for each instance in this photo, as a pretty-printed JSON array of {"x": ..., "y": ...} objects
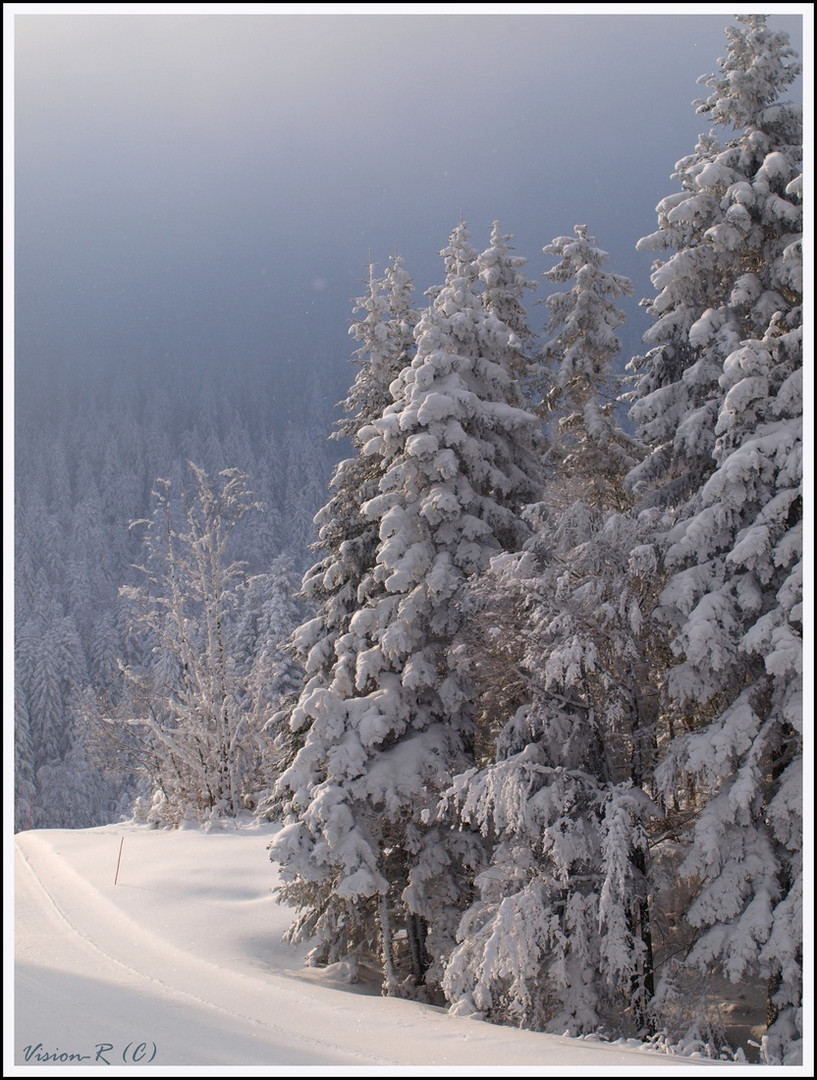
[
  {"x": 643, "y": 982},
  {"x": 417, "y": 933}
]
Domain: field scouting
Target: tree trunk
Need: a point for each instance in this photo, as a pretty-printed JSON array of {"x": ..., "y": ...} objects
[
  {"x": 772, "y": 986},
  {"x": 642, "y": 989},
  {"x": 417, "y": 932},
  {"x": 389, "y": 973}
]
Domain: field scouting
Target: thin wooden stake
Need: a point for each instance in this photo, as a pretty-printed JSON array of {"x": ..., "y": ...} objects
[{"x": 119, "y": 860}]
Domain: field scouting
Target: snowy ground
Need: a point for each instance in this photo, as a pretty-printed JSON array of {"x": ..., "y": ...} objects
[{"x": 180, "y": 965}]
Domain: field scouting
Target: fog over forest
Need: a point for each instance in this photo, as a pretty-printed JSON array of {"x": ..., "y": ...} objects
[{"x": 197, "y": 199}]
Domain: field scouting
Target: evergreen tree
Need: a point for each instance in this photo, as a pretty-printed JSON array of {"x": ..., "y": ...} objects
[
  {"x": 561, "y": 925},
  {"x": 337, "y": 584},
  {"x": 457, "y": 452},
  {"x": 346, "y": 536},
  {"x": 735, "y": 595},
  {"x": 24, "y": 773},
  {"x": 720, "y": 401},
  {"x": 584, "y": 390},
  {"x": 44, "y": 685},
  {"x": 503, "y": 290},
  {"x": 729, "y": 227},
  {"x": 268, "y": 674}
]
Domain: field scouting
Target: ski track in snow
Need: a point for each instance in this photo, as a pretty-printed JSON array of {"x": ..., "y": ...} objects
[
  {"x": 158, "y": 984},
  {"x": 109, "y": 922},
  {"x": 181, "y": 965}
]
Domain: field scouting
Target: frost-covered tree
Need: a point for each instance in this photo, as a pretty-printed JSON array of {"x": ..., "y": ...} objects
[
  {"x": 25, "y": 789},
  {"x": 191, "y": 723},
  {"x": 720, "y": 402},
  {"x": 338, "y": 583},
  {"x": 49, "y": 664},
  {"x": 728, "y": 227},
  {"x": 504, "y": 285},
  {"x": 583, "y": 391},
  {"x": 559, "y": 936},
  {"x": 333, "y": 587},
  {"x": 347, "y": 537},
  {"x": 457, "y": 451},
  {"x": 304, "y": 486},
  {"x": 495, "y": 679},
  {"x": 268, "y": 674},
  {"x": 735, "y": 596}
]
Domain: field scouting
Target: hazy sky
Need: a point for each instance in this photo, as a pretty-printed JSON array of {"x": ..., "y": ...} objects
[{"x": 206, "y": 188}]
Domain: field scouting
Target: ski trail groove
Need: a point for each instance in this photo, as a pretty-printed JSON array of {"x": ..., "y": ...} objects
[{"x": 288, "y": 1033}]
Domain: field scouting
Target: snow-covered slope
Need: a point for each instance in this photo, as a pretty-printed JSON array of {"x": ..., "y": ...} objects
[{"x": 181, "y": 964}]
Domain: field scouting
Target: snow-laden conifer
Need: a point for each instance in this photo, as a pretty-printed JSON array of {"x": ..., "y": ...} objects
[
  {"x": 721, "y": 271},
  {"x": 458, "y": 454},
  {"x": 347, "y": 538},
  {"x": 334, "y": 588},
  {"x": 24, "y": 776},
  {"x": 269, "y": 675},
  {"x": 719, "y": 400},
  {"x": 558, "y": 936},
  {"x": 579, "y": 356},
  {"x": 735, "y": 596},
  {"x": 504, "y": 285}
]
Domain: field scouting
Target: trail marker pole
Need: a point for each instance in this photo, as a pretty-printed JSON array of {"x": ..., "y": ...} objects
[{"x": 119, "y": 860}]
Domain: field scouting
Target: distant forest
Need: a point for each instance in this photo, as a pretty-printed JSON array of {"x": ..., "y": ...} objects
[{"x": 86, "y": 461}]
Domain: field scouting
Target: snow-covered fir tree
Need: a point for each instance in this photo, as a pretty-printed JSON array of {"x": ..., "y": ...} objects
[
  {"x": 25, "y": 788},
  {"x": 338, "y": 583},
  {"x": 347, "y": 538},
  {"x": 727, "y": 228},
  {"x": 504, "y": 285},
  {"x": 494, "y": 673},
  {"x": 735, "y": 592},
  {"x": 267, "y": 672},
  {"x": 584, "y": 389},
  {"x": 720, "y": 403},
  {"x": 559, "y": 937},
  {"x": 457, "y": 451}
]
